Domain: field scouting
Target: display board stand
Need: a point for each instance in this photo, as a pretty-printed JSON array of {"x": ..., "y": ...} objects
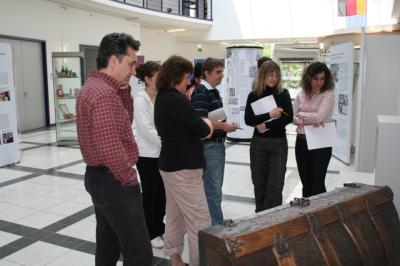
[
  {"x": 241, "y": 69},
  {"x": 9, "y": 148}
]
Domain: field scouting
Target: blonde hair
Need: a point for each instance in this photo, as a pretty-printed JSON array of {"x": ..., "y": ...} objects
[{"x": 265, "y": 69}]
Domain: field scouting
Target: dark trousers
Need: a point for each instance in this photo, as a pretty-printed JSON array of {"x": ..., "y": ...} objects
[
  {"x": 312, "y": 166},
  {"x": 153, "y": 193},
  {"x": 268, "y": 159},
  {"x": 120, "y": 220}
]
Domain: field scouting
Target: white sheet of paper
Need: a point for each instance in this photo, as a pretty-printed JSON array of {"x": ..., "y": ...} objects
[
  {"x": 264, "y": 105},
  {"x": 217, "y": 115},
  {"x": 320, "y": 137}
]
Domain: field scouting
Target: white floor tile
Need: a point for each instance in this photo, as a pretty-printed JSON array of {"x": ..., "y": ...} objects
[
  {"x": 41, "y": 203},
  {"x": 54, "y": 181},
  {"x": 15, "y": 197},
  {"x": 67, "y": 194},
  {"x": 84, "y": 198},
  {"x": 240, "y": 209},
  {"x": 296, "y": 193},
  {"x": 4, "y": 262},
  {"x": 40, "y": 219},
  {"x": 78, "y": 169},
  {"x": 6, "y": 238},
  {"x": 232, "y": 190},
  {"x": 26, "y": 145},
  {"x": 248, "y": 191},
  {"x": 85, "y": 229},
  {"x": 67, "y": 208},
  {"x": 39, "y": 253},
  {"x": 4, "y": 206},
  {"x": 238, "y": 153},
  {"x": 9, "y": 174},
  {"x": 40, "y": 138},
  {"x": 32, "y": 188},
  {"x": 73, "y": 258},
  {"x": 15, "y": 213},
  {"x": 48, "y": 157}
]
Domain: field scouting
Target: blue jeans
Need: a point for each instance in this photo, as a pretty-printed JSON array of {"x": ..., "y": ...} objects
[{"x": 213, "y": 176}]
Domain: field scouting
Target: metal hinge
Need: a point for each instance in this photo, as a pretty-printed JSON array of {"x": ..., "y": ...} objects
[
  {"x": 301, "y": 202},
  {"x": 228, "y": 223},
  {"x": 313, "y": 222},
  {"x": 281, "y": 246},
  {"x": 232, "y": 246},
  {"x": 387, "y": 191},
  {"x": 352, "y": 185}
]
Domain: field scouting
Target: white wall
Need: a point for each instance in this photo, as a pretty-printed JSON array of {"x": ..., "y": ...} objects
[
  {"x": 61, "y": 29},
  {"x": 380, "y": 95},
  {"x": 159, "y": 45}
]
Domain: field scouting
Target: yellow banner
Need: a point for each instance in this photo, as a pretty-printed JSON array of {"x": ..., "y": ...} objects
[{"x": 361, "y": 7}]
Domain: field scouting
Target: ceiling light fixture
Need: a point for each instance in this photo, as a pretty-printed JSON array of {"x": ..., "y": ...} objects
[{"x": 175, "y": 30}]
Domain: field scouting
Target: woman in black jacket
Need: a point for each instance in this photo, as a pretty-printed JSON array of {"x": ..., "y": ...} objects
[
  {"x": 181, "y": 160},
  {"x": 269, "y": 148}
]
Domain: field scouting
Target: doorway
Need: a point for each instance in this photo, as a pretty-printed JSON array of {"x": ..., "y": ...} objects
[
  {"x": 30, "y": 80},
  {"x": 89, "y": 59}
]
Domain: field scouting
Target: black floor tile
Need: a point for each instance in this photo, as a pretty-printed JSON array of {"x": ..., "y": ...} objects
[
  {"x": 22, "y": 242},
  {"x": 39, "y": 234},
  {"x": 7, "y": 250},
  {"x": 87, "y": 247}
]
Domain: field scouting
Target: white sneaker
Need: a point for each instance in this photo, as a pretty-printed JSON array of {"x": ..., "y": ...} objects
[{"x": 157, "y": 242}]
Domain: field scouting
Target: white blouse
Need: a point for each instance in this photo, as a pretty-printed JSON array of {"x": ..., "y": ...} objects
[
  {"x": 146, "y": 133},
  {"x": 315, "y": 109}
]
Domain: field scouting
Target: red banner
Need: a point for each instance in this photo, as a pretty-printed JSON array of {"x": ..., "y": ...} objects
[{"x": 351, "y": 7}]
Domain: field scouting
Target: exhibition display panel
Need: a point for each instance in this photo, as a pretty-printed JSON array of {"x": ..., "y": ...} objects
[{"x": 67, "y": 78}]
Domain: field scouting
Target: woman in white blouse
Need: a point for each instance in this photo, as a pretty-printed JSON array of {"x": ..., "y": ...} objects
[
  {"x": 313, "y": 106},
  {"x": 149, "y": 151}
]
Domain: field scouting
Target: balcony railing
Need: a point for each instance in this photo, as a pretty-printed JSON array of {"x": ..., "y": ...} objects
[{"x": 201, "y": 9}]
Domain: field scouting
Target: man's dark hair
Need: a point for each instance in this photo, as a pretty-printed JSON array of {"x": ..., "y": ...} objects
[
  {"x": 261, "y": 60},
  {"x": 197, "y": 70},
  {"x": 115, "y": 44},
  {"x": 209, "y": 64},
  {"x": 172, "y": 72}
]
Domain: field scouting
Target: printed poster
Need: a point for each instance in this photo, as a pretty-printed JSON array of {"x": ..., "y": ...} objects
[
  {"x": 240, "y": 71},
  {"x": 341, "y": 64},
  {"x": 9, "y": 149}
]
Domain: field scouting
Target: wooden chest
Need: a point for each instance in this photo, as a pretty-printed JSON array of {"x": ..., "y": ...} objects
[{"x": 354, "y": 225}]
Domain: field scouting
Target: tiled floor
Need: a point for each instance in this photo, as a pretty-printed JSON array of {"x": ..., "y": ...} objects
[{"x": 46, "y": 216}]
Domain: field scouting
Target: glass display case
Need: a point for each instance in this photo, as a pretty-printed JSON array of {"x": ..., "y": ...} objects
[{"x": 68, "y": 80}]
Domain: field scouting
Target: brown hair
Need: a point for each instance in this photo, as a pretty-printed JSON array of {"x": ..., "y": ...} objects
[
  {"x": 209, "y": 64},
  {"x": 266, "y": 68},
  {"x": 172, "y": 72},
  {"x": 147, "y": 69},
  {"x": 315, "y": 69}
]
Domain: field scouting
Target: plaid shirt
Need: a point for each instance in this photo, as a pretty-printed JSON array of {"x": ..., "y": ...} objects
[{"x": 104, "y": 117}]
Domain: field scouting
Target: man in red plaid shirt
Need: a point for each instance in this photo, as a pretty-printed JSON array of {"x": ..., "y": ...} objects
[{"x": 104, "y": 118}]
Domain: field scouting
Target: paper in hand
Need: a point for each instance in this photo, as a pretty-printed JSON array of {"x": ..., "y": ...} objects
[
  {"x": 263, "y": 105},
  {"x": 217, "y": 115},
  {"x": 320, "y": 137}
]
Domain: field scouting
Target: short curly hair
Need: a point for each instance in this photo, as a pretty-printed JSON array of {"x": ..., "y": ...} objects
[{"x": 172, "y": 72}]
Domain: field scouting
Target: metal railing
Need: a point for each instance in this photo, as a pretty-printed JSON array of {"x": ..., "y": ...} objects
[{"x": 201, "y": 9}]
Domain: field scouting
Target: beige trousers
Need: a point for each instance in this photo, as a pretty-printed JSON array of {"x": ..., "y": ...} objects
[{"x": 186, "y": 211}]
